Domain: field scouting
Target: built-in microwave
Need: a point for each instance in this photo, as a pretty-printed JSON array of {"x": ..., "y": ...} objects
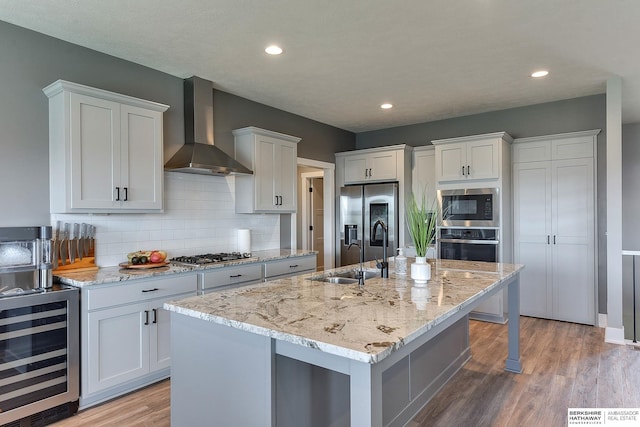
[{"x": 471, "y": 207}]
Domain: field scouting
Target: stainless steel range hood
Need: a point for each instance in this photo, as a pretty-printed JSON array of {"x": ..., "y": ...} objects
[{"x": 199, "y": 155}]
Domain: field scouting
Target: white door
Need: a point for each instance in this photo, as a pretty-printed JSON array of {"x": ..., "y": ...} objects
[
  {"x": 532, "y": 236},
  {"x": 573, "y": 240},
  {"x": 95, "y": 152},
  {"x": 317, "y": 220},
  {"x": 286, "y": 185},
  {"x": 482, "y": 160},
  {"x": 159, "y": 337},
  {"x": 383, "y": 166},
  {"x": 118, "y": 346},
  {"x": 355, "y": 168},
  {"x": 266, "y": 152},
  {"x": 450, "y": 159},
  {"x": 141, "y": 158}
]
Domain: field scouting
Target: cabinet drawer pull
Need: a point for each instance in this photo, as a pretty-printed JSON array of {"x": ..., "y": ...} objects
[
  {"x": 554, "y": 239},
  {"x": 468, "y": 171},
  {"x": 370, "y": 173},
  {"x": 548, "y": 241},
  {"x": 293, "y": 266},
  {"x": 155, "y": 315},
  {"x": 235, "y": 276},
  {"x": 150, "y": 290},
  {"x": 117, "y": 194},
  {"x": 126, "y": 194},
  {"x": 366, "y": 173},
  {"x": 463, "y": 171},
  {"x": 146, "y": 317}
]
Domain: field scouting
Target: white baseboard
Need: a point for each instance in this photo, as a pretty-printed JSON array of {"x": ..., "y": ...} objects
[
  {"x": 602, "y": 320},
  {"x": 614, "y": 335}
]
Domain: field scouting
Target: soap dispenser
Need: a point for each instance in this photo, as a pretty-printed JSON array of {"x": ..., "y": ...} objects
[{"x": 401, "y": 262}]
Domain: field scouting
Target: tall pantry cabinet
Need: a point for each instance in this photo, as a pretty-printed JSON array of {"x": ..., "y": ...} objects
[{"x": 554, "y": 225}]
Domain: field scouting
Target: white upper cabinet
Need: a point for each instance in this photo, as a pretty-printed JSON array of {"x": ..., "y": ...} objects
[
  {"x": 370, "y": 167},
  {"x": 471, "y": 158},
  {"x": 105, "y": 151},
  {"x": 424, "y": 174},
  {"x": 272, "y": 157}
]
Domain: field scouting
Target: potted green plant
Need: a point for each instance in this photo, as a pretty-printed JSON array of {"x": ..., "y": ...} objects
[{"x": 421, "y": 219}]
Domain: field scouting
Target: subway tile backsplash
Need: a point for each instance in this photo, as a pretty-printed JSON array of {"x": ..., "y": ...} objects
[{"x": 199, "y": 216}]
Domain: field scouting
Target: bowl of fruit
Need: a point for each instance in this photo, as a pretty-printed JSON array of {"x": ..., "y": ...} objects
[{"x": 145, "y": 259}]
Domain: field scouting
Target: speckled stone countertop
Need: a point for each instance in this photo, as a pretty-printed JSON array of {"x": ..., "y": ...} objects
[
  {"x": 117, "y": 274},
  {"x": 361, "y": 324}
]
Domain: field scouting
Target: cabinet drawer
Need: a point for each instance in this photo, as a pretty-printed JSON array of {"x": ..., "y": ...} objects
[
  {"x": 289, "y": 266},
  {"x": 141, "y": 290},
  {"x": 224, "y": 276}
]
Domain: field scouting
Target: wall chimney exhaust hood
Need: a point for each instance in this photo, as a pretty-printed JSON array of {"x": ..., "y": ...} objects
[{"x": 199, "y": 155}]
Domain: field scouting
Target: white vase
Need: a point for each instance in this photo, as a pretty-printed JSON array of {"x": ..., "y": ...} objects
[{"x": 420, "y": 271}]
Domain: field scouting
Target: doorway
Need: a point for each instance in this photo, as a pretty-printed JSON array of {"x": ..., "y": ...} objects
[{"x": 315, "y": 218}]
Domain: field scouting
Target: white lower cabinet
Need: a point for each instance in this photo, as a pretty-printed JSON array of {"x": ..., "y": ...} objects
[
  {"x": 554, "y": 227},
  {"x": 125, "y": 335}
]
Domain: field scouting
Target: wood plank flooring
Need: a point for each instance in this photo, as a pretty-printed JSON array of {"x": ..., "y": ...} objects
[{"x": 564, "y": 365}]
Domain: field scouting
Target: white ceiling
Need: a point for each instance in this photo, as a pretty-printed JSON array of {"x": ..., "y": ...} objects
[{"x": 433, "y": 59}]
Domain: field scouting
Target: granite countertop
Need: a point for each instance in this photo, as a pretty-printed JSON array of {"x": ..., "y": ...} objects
[
  {"x": 361, "y": 324},
  {"x": 117, "y": 274}
]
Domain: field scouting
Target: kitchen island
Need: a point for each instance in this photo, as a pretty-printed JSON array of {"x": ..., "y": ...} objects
[{"x": 289, "y": 351}]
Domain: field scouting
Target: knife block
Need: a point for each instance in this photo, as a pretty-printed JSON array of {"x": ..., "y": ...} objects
[{"x": 87, "y": 263}]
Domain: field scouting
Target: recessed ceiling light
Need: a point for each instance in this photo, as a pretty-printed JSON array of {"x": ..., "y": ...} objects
[
  {"x": 273, "y": 50},
  {"x": 540, "y": 73},
  {"x": 386, "y": 106}
]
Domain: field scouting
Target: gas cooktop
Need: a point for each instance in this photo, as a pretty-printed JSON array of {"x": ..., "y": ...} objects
[{"x": 205, "y": 259}]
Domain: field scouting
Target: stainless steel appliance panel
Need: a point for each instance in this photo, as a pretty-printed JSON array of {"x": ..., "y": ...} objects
[
  {"x": 469, "y": 244},
  {"x": 360, "y": 207},
  {"x": 471, "y": 207}
]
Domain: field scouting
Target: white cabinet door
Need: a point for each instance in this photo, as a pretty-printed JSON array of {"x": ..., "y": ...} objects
[
  {"x": 573, "y": 240},
  {"x": 286, "y": 181},
  {"x": 266, "y": 167},
  {"x": 382, "y": 166},
  {"x": 482, "y": 160},
  {"x": 424, "y": 175},
  {"x": 451, "y": 162},
  {"x": 532, "y": 231},
  {"x": 141, "y": 158},
  {"x": 95, "y": 152},
  {"x": 118, "y": 346},
  {"x": 355, "y": 168},
  {"x": 159, "y": 337}
]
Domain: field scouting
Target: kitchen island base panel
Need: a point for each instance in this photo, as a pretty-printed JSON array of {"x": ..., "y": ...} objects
[
  {"x": 220, "y": 375},
  {"x": 513, "y": 364},
  {"x": 219, "y": 371}
]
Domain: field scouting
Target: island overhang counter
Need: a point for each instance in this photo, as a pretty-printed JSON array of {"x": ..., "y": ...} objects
[{"x": 290, "y": 350}]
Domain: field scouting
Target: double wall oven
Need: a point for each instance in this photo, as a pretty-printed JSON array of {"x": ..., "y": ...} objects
[{"x": 469, "y": 224}]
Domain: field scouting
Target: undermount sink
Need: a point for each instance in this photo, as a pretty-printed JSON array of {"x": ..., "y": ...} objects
[
  {"x": 340, "y": 280},
  {"x": 345, "y": 277}
]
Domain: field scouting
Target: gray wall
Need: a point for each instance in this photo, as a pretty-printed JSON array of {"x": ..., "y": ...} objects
[
  {"x": 542, "y": 119},
  {"x": 30, "y": 61},
  {"x": 631, "y": 187}
]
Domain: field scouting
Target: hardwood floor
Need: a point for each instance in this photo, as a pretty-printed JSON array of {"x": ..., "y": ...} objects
[{"x": 564, "y": 365}]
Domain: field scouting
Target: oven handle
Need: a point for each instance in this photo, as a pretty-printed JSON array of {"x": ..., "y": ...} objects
[{"x": 475, "y": 242}]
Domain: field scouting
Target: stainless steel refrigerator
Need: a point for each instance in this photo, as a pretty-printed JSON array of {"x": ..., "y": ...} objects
[{"x": 361, "y": 206}]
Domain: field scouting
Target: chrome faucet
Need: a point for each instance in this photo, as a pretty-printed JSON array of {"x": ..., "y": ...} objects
[
  {"x": 360, "y": 273},
  {"x": 384, "y": 264}
]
